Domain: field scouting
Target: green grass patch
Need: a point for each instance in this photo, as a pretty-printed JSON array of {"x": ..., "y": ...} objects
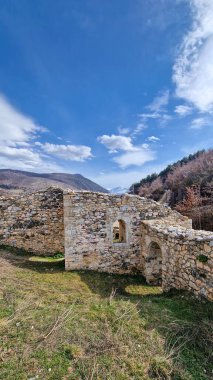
[
  {"x": 202, "y": 258},
  {"x": 85, "y": 325},
  {"x": 42, "y": 259}
]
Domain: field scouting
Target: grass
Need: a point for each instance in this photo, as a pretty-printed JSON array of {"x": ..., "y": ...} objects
[
  {"x": 46, "y": 259},
  {"x": 58, "y": 325}
]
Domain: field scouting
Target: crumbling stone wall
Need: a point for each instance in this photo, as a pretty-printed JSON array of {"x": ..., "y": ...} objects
[
  {"x": 160, "y": 243},
  {"x": 89, "y": 219},
  {"x": 33, "y": 222},
  {"x": 187, "y": 257}
]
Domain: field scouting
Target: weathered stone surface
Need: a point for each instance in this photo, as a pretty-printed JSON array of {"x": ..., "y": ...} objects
[
  {"x": 159, "y": 243},
  {"x": 182, "y": 268},
  {"x": 33, "y": 222}
]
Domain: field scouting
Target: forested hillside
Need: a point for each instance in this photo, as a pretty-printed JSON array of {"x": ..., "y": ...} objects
[{"x": 186, "y": 185}]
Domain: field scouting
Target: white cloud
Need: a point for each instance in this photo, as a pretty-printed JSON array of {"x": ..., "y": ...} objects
[
  {"x": 18, "y": 150},
  {"x": 15, "y": 127},
  {"x": 158, "y": 110},
  {"x": 136, "y": 158},
  {"x": 159, "y": 102},
  {"x": 68, "y": 152},
  {"x": 199, "y": 123},
  {"x": 193, "y": 69},
  {"x": 183, "y": 110},
  {"x": 139, "y": 128},
  {"x": 17, "y": 132},
  {"x": 134, "y": 154},
  {"x": 123, "y": 131},
  {"x": 25, "y": 159},
  {"x": 114, "y": 143},
  {"x": 128, "y": 177},
  {"x": 19, "y": 154},
  {"x": 164, "y": 119},
  {"x": 153, "y": 138},
  {"x": 152, "y": 115},
  {"x": 146, "y": 146}
]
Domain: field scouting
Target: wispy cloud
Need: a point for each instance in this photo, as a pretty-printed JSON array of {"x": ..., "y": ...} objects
[
  {"x": 138, "y": 129},
  {"x": 137, "y": 158},
  {"x": 68, "y": 152},
  {"x": 158, "y": 109},
  {"x": 199, "y": 123},
  {"x": 134, "y": 131},
  {"x": 19, "y": 150},
  {"x": 193, "y": 69},
  {"x": 26, "y": 159},
  {"x": 159, "y": 102},
  {"x": 138, "y": 154},
  {"x": 114, "y": 143},
  {"x": 183, "y": 110},
  {"x": 153, "y": 138},
  {"x": 152, "y": 115},
  {"x": 123, "y": 131},
  {"x": 16, "y": 128},
  {"x": 135, "y": 155}
]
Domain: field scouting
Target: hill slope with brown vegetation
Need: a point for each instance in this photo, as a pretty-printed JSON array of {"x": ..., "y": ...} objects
[
  {"x": 17, "y": 180},
  {"x": 186, "y": 185}
]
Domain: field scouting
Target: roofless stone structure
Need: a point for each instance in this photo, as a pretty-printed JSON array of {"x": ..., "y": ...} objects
[{"x": 112, "y": 233}]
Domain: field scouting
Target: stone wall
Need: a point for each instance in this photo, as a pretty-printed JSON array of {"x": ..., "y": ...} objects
[
  {"x": 159, "y": 243},
  {"x": 186, "y": 257},
  {"x": 89, "y": 219},
  {"x": 33, "y": 222},
  {"x": 153, "y": 240}
]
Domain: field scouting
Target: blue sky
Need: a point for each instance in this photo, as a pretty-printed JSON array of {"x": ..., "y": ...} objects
[{"x": 114, "y": 90}]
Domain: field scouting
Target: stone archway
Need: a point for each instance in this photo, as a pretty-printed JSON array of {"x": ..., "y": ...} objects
[{"x": 153, "y": 264}]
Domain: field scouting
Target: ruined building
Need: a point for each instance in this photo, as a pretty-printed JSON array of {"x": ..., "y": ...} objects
[{"x": 112, "y": 233}]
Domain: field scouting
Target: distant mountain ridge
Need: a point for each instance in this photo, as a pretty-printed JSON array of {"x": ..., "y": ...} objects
[
  {"x": 18, "y": 180},
  {"x": 119, "y": 190}
]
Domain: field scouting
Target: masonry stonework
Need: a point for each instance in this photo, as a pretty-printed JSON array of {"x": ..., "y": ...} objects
[
  {"x": 152, "y": 240},
  {"x": 160, "y": 243},
  {"x": 186, "y": 257},
  {"x": 33, "y": 222}
]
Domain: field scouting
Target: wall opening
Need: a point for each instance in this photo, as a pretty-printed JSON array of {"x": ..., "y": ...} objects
[
  {"x": 119, "y": 231},
  {"x": 154, "y": 264}
]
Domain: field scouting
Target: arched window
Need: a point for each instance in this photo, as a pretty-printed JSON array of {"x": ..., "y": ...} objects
[
  {"x": 154, "y": 264},
  {"x": 119, "y": 231}
]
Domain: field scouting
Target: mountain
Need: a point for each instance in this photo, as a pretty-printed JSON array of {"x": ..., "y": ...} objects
[
  {"x": 186, "y": 185},
  {"x": 17, "y": 181},
  {"x": 119, "y": 190}
]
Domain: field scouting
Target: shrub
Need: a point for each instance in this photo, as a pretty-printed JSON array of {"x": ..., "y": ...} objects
[{"x": 202, "y": 258}]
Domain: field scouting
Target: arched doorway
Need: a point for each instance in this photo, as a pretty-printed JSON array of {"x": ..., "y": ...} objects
[
  {"x": 153, "y": 264},
  {"x": 119, "y": 231}
]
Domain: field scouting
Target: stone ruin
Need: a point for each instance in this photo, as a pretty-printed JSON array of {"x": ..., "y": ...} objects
[{"x": 112, "y": 233}]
